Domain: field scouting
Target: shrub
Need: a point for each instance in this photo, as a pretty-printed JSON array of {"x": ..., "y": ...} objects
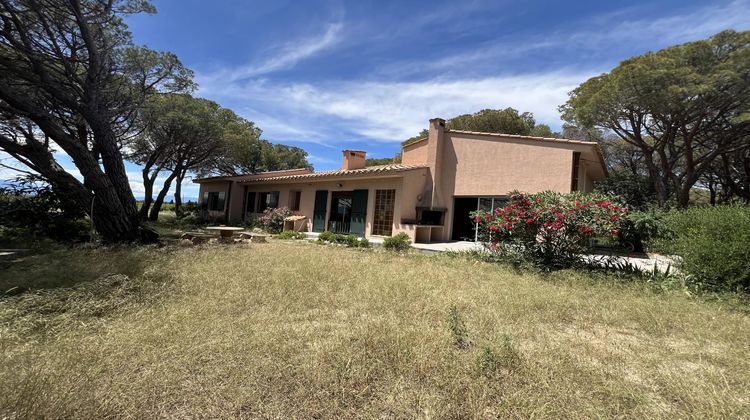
[
  {"x": 272, "y": 219},
  {"x": 326, "y": 236},
  {"x": 714, "y": 246},
  {"x": 400, "y": 242},
  {"x": 641, "y": 229},
  {"x": 550, "y": 229},
  {"x": 29, "y": 207},
  {"x": 343, "y": 239},
  {"x": 290, "y": 234}
]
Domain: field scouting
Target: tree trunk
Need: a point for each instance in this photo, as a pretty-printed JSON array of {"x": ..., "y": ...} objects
[
  {"x": 154, "y": 214},
  {"x": 178, "y": 193},
  {"x": 148, "y": 194},
  {"x": 654, "y": 174}
]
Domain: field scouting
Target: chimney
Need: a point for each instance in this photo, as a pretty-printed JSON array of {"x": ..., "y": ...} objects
[
  {"x": 435, "y": 142},
  {"x": 353, "y": 159}
]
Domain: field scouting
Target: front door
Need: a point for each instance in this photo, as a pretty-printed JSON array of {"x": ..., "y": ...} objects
[{"x": 341, "y": 212}]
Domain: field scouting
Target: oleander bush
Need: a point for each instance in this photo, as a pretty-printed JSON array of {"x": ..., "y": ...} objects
[
  {"x": 272, "y": 219},
  {"x": 713, "y": 244},
  {"x": 550, "y": 229}
]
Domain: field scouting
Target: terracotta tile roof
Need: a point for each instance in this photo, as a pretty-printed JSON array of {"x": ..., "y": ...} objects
[
  {"x": 259, "y": 175},
  {"x": 369, "y": 170}
]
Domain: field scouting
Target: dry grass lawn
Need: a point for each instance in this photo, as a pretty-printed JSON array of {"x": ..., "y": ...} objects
[{"x": 297, "y": 330}]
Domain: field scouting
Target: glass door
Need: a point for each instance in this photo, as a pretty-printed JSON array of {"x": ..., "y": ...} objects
[{"x": 341, "y": 212}]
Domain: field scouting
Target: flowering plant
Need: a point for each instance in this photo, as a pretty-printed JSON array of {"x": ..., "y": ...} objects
[
  {"x": 272, "y": 219},
  {"x": 550, "y": 228}
]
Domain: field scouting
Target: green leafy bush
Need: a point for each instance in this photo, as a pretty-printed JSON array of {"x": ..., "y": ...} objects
[
  {"x": 550, "y": 229},
  {"x": 290, "y": 234},
  {"x": 326, "y": 236},
  {"x": 641, "y": 229},
  {"x": 30, "y": 208},
  {"x": 400, "y": 242},
  {"x": 714, "y": 246},
  {"x": 351, "y": 241}
]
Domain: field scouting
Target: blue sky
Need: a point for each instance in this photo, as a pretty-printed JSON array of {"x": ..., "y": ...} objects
[{"x": 329, "y": 75}]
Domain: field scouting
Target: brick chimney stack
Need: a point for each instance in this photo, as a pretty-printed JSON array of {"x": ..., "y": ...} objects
[{"x": 353, "y": 159}]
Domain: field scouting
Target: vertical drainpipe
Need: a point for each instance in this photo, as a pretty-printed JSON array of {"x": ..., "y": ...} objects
[{"x": 227, "y": 202}]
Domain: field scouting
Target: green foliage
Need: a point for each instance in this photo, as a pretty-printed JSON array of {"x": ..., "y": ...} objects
[
  {"x": 681, "y": 106},
  {"x": 550, "y": 229},
  {"x": 350, "y": 241},
  {"x": 494, "y": 360},
  {"x": 543, "y": 130},
  {"x": 326, "y": 236},
  {"x": 642, "y": 228},
  {"x": 714, "y": 246},
  {"x": 636, "y": 190},
  {"x": 29, "y": 208},
  {"x": 379, "y": 161},
  {"x": 272, "y": 219},
  {"x": 506, "y": 121},
  {"x": 422, "y": 134},
  {"x": 458, "y": 329},
  {"x": 399, "y": 243},
  {"x": 290, "y": 234}
]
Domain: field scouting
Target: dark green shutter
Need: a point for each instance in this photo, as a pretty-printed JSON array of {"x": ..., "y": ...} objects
[
  {"x": 319, "y": 213},
  {"x": 359, "y": 212}
]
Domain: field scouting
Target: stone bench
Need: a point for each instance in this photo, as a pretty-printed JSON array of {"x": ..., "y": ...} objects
[{"x": 254, "y": 237}]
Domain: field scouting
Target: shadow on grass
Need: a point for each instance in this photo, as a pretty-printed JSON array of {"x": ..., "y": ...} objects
[{"x": 69, "y": 266}]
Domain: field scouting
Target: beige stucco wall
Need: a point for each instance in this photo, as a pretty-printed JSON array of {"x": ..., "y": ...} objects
[
  {"x": 216, "y": 186},
  {"x": 482, "y": 165},
  {"x": 415, "y": 153},
  {"x": 408, "y": 185}
]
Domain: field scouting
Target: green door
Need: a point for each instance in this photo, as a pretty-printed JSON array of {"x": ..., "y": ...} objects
[
  {"x": 359, "y": 212},
  {"x": 319, "y": 213}
]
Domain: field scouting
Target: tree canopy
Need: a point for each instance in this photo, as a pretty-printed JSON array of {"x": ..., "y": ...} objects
[
  {"x": 71, "y": 77},
  {"x": 681, "y": 107},
  {"x": 506, "y": 121}
]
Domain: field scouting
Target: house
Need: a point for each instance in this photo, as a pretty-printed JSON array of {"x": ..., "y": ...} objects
[{"x": 441, "y": 179}]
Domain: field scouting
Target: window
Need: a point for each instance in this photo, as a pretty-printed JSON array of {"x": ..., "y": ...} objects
[
  {"x": 294, "y": 200},
  {"x": 576, "y": 169},
  {"x": 268, "y": 200},
  {"x": 382, "y": 223},
  {"x": 214, "y": 201}
]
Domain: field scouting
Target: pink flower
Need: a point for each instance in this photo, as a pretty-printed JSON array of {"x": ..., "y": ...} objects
[
  {"x": 585, "y": 229},
  {"x": 530, "y": 221}
]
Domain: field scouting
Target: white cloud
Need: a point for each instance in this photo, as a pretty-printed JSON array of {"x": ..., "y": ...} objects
[
  {"x": 283, "y": 56},
  {"x": 394, "y": 111}
]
